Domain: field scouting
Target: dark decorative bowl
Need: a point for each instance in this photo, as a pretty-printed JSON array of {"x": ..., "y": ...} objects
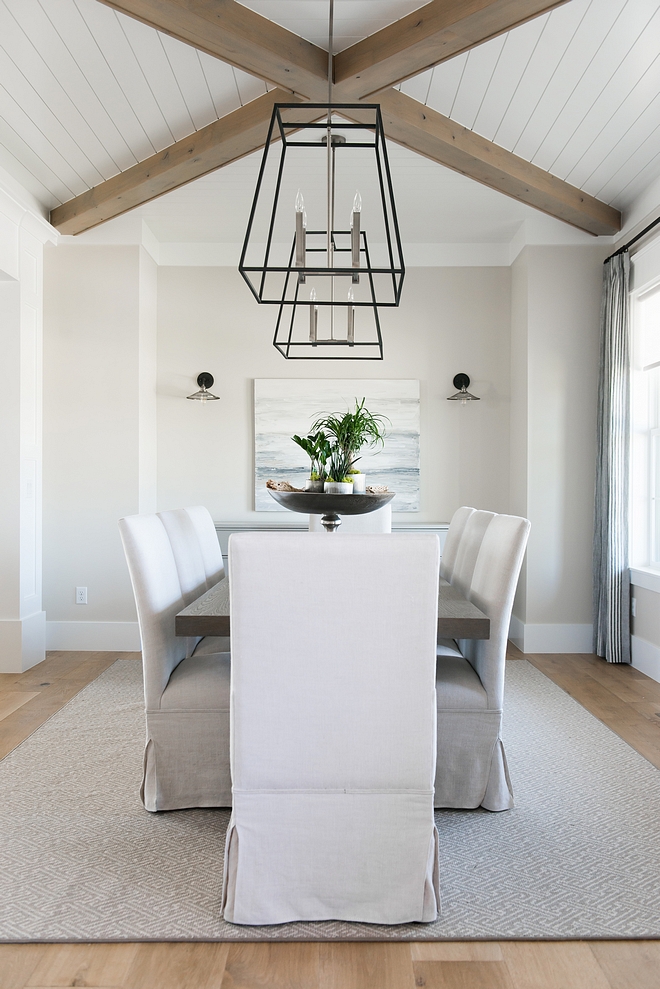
[{"x": 320, "y": 503}]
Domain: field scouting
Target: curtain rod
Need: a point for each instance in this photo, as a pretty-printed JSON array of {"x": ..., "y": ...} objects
[{"x": 630, "y": 243}]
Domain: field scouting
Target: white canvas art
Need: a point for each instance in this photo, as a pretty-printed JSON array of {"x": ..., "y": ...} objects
[{"x": 284, "y": 406}]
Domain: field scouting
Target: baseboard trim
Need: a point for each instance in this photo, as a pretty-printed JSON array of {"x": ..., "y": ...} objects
[
  {"x": 551, "y": 638},
  {"x": 93, "y": 636},
  {"x": 645, "y": 657}
]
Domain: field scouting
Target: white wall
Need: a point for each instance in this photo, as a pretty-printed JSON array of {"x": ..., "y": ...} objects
[
  {"x": 99, "y": 436},
  {"x": 555, "y": 370},
  {"x": 450, "y": 320},
  {"x": 526, "y": 335},
  {"x": 22, "y": 628}
]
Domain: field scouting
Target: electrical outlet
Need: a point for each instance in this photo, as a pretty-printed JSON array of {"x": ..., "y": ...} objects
[
  {"x": 81, "y": 595},
  {"x": 633, "y": 607}
]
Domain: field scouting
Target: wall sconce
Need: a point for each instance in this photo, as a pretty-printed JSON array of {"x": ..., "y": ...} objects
[
  {"x": 205, "y": 381},
  {"x": 461, "y": 381}
]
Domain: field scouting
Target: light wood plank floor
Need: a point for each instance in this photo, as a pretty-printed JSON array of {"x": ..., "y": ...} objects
[{"x": 624, "y": 699}]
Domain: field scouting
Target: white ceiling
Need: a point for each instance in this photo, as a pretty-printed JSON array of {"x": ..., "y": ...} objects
[{"x": 86, "y": 92}]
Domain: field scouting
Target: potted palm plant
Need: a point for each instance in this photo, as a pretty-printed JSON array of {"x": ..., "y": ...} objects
[
  {"x": 339, "y": 481},
  {"x": 318, "y": 449},
  {"x": 351, "y": 432}
]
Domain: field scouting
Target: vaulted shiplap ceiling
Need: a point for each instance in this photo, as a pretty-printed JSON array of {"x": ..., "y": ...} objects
[{"x": 86, "y": 92}]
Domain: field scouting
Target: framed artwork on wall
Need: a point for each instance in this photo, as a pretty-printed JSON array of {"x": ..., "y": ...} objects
[{"x": 284, "y": 406}]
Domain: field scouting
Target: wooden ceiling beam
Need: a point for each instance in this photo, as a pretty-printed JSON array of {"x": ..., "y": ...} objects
[
  {"x": 426, "y": 37},
  {"x": 429, "y": 133},
  {"x": 225, "y": 140},
  {"x": 237, "y": 35}
]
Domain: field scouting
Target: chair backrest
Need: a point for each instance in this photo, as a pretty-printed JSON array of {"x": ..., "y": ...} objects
[
  {"x": 378, "y": 521},
  {"x": 333, "y": 727},
  {"x": 492, "y": 589},
  {"x": 473, "y": 533},
  {"x": 453, "y": 540},
  {"x": 158, "y": 598},
  {"x": 187, "y": 552},
  {"x": 208, "y": 543}
]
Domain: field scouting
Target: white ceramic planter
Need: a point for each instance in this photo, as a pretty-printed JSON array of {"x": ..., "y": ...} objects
[
  {"x": 359, "y": 483},
  {"x": 338, "y": 487}
]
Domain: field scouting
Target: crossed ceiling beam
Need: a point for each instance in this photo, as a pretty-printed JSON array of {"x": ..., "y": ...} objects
[{"x": 365, "y": 71}]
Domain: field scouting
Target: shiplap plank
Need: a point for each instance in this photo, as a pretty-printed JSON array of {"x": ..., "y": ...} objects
[
  {"x": 615, "y": 70},
  {"x": 222, "y": 84},
  {"x": 549, "y": 52},
  {"x": 18, "y": 169},
  {"x": 24, "y": 108},
  {"x": 66, "y": 181},
  {"x": 110, "y": 36},
  {"x": 623, "y": 113},
  {"x": 68, "y": 93},
  {"x": 87, "y": 53},
  {"x": 249, "y": 87},
  {"x": 148, "y": 48},
  {"x": 591, "y": 34},
  {"x": 479, "y": 70},
  {"x": 445, "y": 83},
  {"x": 418, "y": 86},
  {"x": 189, "y": 77},
  {"x": 631, "y": 156},
  {"x": 87, "y": 92},
  {"x": 519, "y": 48},
  {"x": 635, "y": 187}
]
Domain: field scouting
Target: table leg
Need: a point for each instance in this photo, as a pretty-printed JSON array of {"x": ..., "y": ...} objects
[{"x": 331, "y": 521}]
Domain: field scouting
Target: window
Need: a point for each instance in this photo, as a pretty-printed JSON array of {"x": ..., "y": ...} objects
[{"x": 645, "y": 487}]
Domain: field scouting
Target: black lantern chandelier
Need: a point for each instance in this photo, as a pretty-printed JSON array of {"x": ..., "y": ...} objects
[{"x": 327, "y": 279}]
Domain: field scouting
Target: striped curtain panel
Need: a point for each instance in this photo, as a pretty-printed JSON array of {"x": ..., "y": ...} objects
[{"x": 610, "y": 566}]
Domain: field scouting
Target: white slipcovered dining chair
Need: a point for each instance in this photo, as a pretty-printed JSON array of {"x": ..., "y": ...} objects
[
  {"x": 453, "y": 541},
  {"x": 378, "y": 521},
  {"x": 471, "y": 765},
  {"x": 474, "y": 528},
  {"x": 208, "y": 543},
  {"x": 199, "y": 563},
  {"x": 186, "y": 759},
  {"x": 333, "y": 729}
]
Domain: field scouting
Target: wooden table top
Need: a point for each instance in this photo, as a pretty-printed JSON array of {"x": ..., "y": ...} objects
[{"x": 458, "y": 618}]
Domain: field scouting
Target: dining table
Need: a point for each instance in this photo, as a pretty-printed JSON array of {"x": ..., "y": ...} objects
[{"x": 209, "y": 614}]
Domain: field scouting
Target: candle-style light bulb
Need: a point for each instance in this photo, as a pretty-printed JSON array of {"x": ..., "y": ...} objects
[
  {"x": 313, "y": 317},
  {"x": 355, "y": 234},
  {"x": 301, "y": 234},
  {"x": 351, "y": 318}
]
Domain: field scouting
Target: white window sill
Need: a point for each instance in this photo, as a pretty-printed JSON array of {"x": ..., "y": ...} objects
[{"x": 645, "y": 577}]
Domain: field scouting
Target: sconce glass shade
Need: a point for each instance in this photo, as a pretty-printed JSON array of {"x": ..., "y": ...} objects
[
  {"x": 461, "y": 381},
  {"x": 205, "y": 381}
]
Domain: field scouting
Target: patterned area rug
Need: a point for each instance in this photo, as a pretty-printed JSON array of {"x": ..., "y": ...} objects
[{"x": 81, "y": 860}]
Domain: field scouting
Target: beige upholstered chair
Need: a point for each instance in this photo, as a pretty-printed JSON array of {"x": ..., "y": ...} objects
[
  {"x": 198, "y": 561},
  {"x": 453, "y": 541},
  {"x": 475, "y": 524},
  {"x": 378, "y": 521},
  {"x": 468, "y": 550},
  {"x": 186, "y": 762},
  {"x": 333, "y": 729},
  {"x": 471, "y": 765},
  {"x": 208, "y": 543}
]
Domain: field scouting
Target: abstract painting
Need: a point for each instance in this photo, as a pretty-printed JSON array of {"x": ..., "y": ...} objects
[{"x": 284, "y": 406}]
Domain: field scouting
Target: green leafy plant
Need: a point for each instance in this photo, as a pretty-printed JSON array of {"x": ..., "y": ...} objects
[
  {"x": 318, "y": 449},
  {"x": 340, "y": 464},
  {"x": 353, "y": 431}
]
